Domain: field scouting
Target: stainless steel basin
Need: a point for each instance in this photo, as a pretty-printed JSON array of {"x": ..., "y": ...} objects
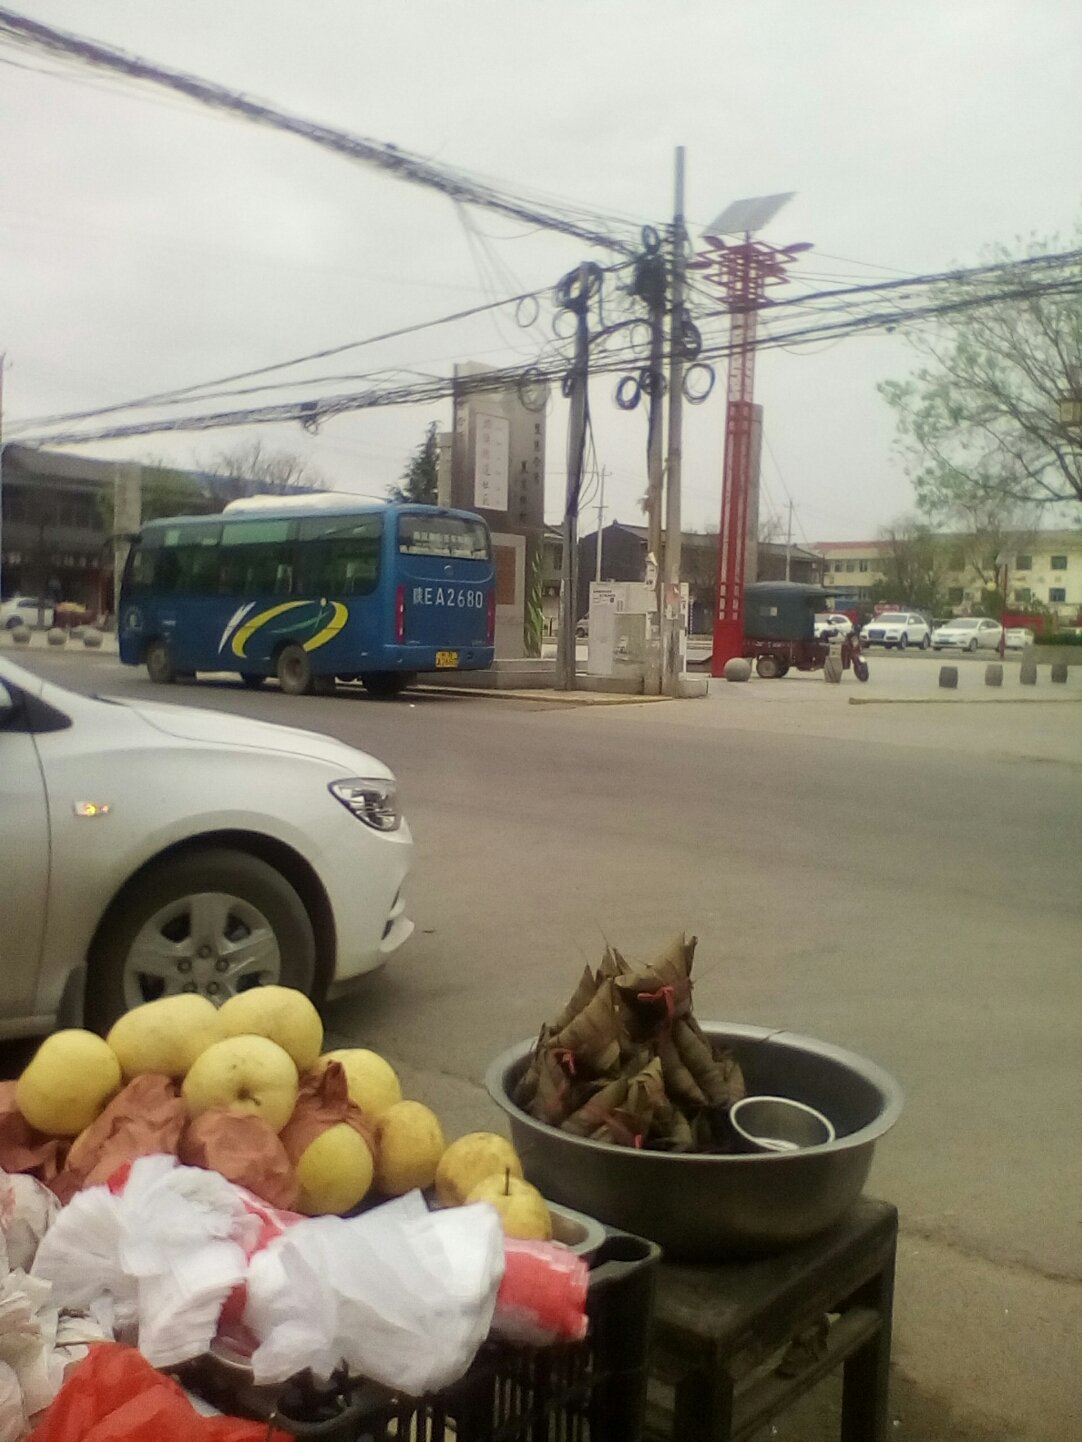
[{"x": 703, "y": 1207}]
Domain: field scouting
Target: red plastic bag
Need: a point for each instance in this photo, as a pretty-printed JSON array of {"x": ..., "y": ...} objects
[{"x": 115, "y": 1395}]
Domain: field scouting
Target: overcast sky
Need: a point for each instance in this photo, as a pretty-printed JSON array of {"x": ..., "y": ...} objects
[{"x": 148, "y": 243}]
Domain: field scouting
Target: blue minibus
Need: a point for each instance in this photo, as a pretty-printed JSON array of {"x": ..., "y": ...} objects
[{"x": 310, "y": 590}]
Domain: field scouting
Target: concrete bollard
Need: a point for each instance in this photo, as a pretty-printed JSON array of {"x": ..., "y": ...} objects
[
  {"x": 1059, "y": 671},
  {"x": 993, "y": 674},
  {"x": 738, "y": 668},
  {"x": 832, "y": 671},
  {"x": 92, "y": 639},
  {"x": 57, "y": 637},
  {"x": 21, "y": 635},
  {"x": 948, "y": 677},
  {"x": 1027, "y": 673}
]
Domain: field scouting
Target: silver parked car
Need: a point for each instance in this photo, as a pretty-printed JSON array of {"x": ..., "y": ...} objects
[
  {"x": 152, "y": 849},
  {"x": 968, "y": 633}
]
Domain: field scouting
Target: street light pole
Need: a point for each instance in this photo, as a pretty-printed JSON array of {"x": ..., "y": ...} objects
[{"x": 576, "y": 292}]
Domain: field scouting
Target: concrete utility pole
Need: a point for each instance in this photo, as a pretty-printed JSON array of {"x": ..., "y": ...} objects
[
  {"x": 655, "y": 461},
  {"x": 672, "y": 612},
  {"x": 789, "y": 542},
  {"x": 127, "y": 517},
  {"x": 600, "y": 526},
  {"x": 578, "y": 300}
]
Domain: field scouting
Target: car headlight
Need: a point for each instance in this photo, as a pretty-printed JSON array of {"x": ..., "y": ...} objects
[{"x": 372, "y": 800}]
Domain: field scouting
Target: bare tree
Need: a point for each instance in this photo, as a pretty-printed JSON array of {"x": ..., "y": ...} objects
[{"x": 256, "y": 470}]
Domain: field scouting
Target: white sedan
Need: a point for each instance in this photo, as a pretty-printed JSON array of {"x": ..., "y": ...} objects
[
  {"x": 25, "y": 611},
  {"x": 1018, "y": 638},
  {"x": 897, "y": 629},
  {"x": 968, "y": 633},
  {"x": 831, "y": 623},
  {"x": 151, "y": 849}
]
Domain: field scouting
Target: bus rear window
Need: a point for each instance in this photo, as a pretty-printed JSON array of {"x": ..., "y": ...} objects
[{"x": 452, "y": 536}]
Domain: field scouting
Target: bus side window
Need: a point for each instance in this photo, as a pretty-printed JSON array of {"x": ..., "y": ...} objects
[
  {"x": 345, "y": 566},
  {"x": 257, "y": 570},
  {"x": 141, "y": 574}
]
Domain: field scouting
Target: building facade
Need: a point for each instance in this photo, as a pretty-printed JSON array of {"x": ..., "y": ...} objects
[
  {"x": 623, "y": 558},
  {"x": 1044, "y": 568}
]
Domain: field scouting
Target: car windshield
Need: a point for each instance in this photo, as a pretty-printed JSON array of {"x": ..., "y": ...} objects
[
  {"x": 891, "y": 618},
  {"x": 963, "y": 625}
]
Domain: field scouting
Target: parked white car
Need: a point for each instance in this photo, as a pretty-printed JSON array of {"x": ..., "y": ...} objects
[
  {"x": 150, "y": 849},
  {"x": 969, "y": 633},
  {"x": 898, "y": 629},
  {"x": 24, "y": 611},
  {"x": 1018, "y": 638},
  {"x": 830, "y": 624}
]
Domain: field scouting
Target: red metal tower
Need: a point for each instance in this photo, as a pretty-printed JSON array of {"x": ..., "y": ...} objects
[{"x": 742, "y": 271}]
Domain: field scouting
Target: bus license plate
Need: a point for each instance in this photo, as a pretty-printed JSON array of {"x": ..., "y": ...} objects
[{"x": 446, "y": 660}]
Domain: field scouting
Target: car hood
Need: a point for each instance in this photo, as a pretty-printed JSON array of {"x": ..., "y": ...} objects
[{"x": 214, "y": 728}]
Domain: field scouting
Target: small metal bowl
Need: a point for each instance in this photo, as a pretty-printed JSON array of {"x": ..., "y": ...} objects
[{"x": 778, "y": 1124}]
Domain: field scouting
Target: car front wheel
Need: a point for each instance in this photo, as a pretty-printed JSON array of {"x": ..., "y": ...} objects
[
  {"x": 212, "y": 922},
  {"x": 926, "y": 641},
  {"x": 903, "y": 642},
  {"x": 972, "y": 645}
]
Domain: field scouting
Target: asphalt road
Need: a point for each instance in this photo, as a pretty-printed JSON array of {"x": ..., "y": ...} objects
[{"x": 902, "y": 881}]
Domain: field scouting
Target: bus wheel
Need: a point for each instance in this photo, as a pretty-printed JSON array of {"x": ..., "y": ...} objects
[
  {"x": 769, "y": 667},
  {"x": 159, "y": 663},
  {"x": 386, "y": 685},
  {"x": 252, "y": 680},
  {"x": 294, "y": 671}
]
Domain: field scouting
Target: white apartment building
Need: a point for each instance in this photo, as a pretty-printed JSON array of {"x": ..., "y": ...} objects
[{"x": 1043, "y": 566}]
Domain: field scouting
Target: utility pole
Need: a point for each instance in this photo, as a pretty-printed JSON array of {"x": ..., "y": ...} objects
[
  {"x": 653, "y": 285},
  {"x": 672, "y": 613},
  {"x": 576, "y": 299},
  {"x": 789, "y": 541},
  {"x": 600, "y": 527}
]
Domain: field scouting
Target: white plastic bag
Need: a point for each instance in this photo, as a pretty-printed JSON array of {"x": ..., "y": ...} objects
[
  {"x": 14, "y": 1425},
  {"x": 164, "y": 1255},
  {"x": 399, "y": 1294},
  {"x": 27, "y": 1210}
]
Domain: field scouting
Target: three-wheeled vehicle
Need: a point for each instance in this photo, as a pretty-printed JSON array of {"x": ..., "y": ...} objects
[{"x": 779, "y": 630}]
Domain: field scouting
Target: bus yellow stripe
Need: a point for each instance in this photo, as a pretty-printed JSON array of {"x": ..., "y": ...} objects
[
  {"x": 245, "y": 633},
  {"x": 331, "y": 629}
]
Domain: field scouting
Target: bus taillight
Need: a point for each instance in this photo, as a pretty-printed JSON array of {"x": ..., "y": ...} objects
[
  {"x": 400, "y": 614},
  {"x": 490, "y": 623}
]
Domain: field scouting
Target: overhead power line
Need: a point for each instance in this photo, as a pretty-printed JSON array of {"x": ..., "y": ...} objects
[
  {"x": 402, "y": 163},
  {"x": 312, "y": 411}
]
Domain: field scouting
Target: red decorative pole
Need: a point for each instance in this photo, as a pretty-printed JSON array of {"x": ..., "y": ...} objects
[{"x": 742, "y": 271}]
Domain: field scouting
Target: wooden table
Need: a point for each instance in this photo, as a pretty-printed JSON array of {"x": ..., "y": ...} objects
[{"x": 739, "y": 1342}]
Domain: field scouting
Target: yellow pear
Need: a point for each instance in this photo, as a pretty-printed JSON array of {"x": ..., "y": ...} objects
[
  {"x": 334, "y": 1172},
  {"x": 165, "y": 1036},
  {"x": 371, "y": 1081},
  {"x": 409, "y": 1144},
  {"x": 468, "y": 1161},
  {"x": 523, "y": 1210},
  {"x": 69, "y": 1079},
  {"x": 282, "y": 1015},
  {"x": 245, "y": 1075}
]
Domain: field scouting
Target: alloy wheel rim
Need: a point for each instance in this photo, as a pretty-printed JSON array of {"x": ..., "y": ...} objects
[{"x": 210, "y": 943}]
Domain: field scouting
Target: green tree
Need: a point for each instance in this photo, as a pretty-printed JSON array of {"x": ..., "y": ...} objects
[
  {"x": 913, "y": 561},
  {"x": 420, "y": 479},
  {"x": 979, "y": 422}
]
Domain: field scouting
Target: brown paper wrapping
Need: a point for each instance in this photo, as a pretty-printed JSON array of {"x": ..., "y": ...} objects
[{"x": 246, "y": 1151}]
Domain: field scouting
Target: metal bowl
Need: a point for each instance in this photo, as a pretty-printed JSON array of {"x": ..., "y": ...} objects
[
  {"x": 778, "y": 1124},
  {"x": 706, "y": 1207}
]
